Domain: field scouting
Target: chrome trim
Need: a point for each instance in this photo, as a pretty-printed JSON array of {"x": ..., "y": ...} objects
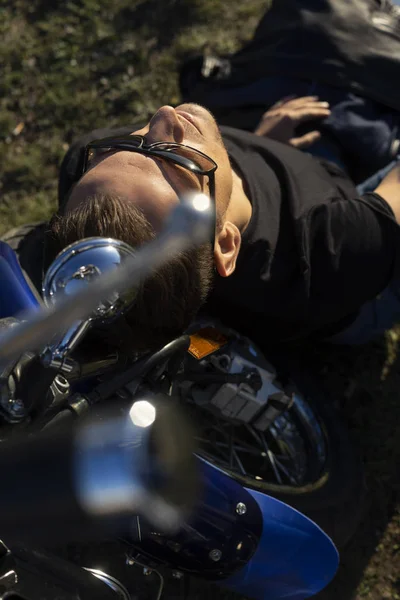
[
  {"x": 81, "y": 263},
  {"x": 74, "y": 269},
  {"x": 112, "y": 583}
]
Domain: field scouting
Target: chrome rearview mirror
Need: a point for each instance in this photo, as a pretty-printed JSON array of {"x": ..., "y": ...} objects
[
  {"x": 73, "y": 270},
  {"x": 79, "y": 264}
]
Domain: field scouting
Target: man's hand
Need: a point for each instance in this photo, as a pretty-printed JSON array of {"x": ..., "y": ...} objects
[{"x": 280, "y": 121}]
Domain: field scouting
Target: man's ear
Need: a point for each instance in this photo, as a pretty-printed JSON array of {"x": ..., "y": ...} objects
[{"x": 226, "y": 249}]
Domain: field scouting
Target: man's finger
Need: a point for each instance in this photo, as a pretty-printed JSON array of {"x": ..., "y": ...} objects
[
  {"x": 305, "y": 140},
  {"x": 280, "y": 103},
  {"x": 297, "y": 104},
  {"x": 308, "y": 114},
  {"x": 307, "y": 106},
  {"x": 304, "y": 100}
]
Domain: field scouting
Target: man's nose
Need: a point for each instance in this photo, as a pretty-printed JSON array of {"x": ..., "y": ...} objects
[{"x": 165, "y": 126}]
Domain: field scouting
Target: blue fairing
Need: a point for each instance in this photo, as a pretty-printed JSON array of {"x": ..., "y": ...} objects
[
  {"x": 269, "y": 552},
  {"x": 295, "y": 559},
  {"x": 15, "y": 294}
]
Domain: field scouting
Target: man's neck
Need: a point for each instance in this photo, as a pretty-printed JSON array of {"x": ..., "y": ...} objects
[{"x": 239, "y": 209}]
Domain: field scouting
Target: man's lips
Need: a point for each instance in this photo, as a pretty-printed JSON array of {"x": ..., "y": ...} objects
[{"x": 192, "y": 120}]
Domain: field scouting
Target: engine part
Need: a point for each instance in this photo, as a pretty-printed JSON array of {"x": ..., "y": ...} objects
[{"x": 238, "y": 384}]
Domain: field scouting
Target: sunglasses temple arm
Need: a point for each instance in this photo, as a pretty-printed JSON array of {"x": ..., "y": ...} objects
[{"x": 211, "y": 180}]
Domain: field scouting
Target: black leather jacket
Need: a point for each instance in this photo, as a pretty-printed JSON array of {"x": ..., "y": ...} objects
[{"x": 346, "y": 43}]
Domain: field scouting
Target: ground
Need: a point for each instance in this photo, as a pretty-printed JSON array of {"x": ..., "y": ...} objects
[{"x": 72, "y": 66}]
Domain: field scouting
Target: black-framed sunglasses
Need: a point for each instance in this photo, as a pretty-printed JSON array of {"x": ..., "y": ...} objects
[{"x": 184, "y": 156}]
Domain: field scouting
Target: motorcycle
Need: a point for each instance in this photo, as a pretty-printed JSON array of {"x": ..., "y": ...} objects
[{"x": 269, "y": 448}]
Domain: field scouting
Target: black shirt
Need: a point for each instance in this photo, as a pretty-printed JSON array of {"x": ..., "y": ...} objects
[{"x": 313, "y": 252}]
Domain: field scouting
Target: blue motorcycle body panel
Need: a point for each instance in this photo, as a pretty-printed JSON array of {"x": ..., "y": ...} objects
[
  {"x": 16, "y": 295},
  {"x": 214, "y": 526},
  {"x": 269, "y": 551},
  {"x": 295, "y": 559}
]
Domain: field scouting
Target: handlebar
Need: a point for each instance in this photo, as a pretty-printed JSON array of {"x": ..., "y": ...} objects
[{"x": 189, "y": 225}]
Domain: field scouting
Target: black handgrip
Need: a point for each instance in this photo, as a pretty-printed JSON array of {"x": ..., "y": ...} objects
[
  {"x": 71, "y": 483},
  {"x": 34, "y": 381},
  {"x": 64, "y": 418},
  {"x": 38, "y": 490}
]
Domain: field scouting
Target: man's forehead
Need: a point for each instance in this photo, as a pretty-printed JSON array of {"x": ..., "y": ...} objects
[{"x": 138, "y": 183}]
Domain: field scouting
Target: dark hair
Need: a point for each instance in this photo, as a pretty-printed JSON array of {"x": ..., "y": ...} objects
[{"x": 168, "y": 300}]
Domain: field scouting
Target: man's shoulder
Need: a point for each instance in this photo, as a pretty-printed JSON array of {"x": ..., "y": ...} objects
[{"x": 240, "y": 138}]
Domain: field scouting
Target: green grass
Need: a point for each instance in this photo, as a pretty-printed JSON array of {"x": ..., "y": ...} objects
[
  {"x": 72, "y": 66},
  {"x": 68, "y": 67}
]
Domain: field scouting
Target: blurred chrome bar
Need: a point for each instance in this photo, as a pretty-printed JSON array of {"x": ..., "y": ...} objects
[
  {"x": 189, "y": 225},
  {"x": 79, "y": 482}
]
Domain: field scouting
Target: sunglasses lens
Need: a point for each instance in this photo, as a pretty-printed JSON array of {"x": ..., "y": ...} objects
[
  {"x": 200, "y": 160},
  {"x": 94, "y": 152}
]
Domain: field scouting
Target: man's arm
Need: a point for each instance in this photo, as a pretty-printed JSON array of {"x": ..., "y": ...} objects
[
  {"x": 353, "y": 251},
  {"x": 389, "y": 190}
]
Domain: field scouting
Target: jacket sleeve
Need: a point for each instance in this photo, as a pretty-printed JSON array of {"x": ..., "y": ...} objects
[{"x": 352, "y": 248}]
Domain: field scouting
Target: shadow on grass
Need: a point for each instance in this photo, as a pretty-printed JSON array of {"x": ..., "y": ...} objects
[
  {"x": 366, "y": 383},
  {"x": 161, "y": 19},
  {"x": 167, "y": 18}
]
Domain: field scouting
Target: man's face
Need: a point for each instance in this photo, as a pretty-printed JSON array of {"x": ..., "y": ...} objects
[{"x": 153, "y": 184}]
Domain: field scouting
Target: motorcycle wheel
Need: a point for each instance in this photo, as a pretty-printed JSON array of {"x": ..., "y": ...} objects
[{"x": 305, "y": 459}]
